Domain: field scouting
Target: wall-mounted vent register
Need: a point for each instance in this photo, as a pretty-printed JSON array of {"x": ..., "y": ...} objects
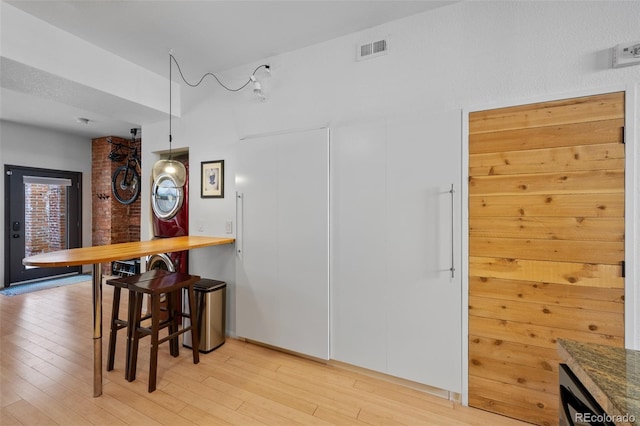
[{"x": 372, "y": 49}]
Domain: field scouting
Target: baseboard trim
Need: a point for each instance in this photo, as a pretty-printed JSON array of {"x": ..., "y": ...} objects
[{"x": 431, "y": 390}]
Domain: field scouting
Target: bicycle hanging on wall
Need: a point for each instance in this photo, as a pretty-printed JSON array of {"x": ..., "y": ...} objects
[{"x": 125, "y": 183}]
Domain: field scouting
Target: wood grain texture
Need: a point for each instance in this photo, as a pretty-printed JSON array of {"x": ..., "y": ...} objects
[
  {"x": 547, "y": 315},
  {"x": 598, "y": 252},
  {"x": 534, "y": 335},
  {"x": 111, "y": 252},
  {"x": 546, "y": 245},
  {"x": 547, "y": 205},
  {"x": 571, "y": 296},
  {"x": 529, "y": 405},
  {"x": 567, "y": 135},
  {"x": 46, "y": 378},
  {"x": 569, "y": 273},
  {"x": 527, "y": 377},
  {"x": 603, "y": 156},
  {"x": 608, "y": 106},
  {"x": 549, "y": 227},
  {"x": 517, "y": 353},
  {"x": 583, "y": 182}
]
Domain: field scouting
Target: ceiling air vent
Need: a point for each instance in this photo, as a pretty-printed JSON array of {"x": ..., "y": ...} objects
[{"x": 373, "y": 49}]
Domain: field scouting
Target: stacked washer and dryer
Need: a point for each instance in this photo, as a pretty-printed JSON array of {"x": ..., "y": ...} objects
[{"x": 170, "y": 205}]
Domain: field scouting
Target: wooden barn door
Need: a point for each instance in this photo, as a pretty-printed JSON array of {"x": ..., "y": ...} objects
[{"x": 546, "y": 246}]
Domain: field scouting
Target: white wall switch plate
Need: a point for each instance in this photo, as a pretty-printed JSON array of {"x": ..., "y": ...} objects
[{"x": 228, "y": 227}]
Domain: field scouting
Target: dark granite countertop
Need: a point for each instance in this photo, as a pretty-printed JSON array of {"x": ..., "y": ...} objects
[{"x": 612, "y": 376}]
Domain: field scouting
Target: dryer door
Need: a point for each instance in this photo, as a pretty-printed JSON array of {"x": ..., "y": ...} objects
[
  {"x": 166, "y": 197},
  {"x": 160, "y": 261}
]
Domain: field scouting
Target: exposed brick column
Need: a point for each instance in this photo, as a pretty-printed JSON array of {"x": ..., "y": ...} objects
[{"x": 113, "y": 222}]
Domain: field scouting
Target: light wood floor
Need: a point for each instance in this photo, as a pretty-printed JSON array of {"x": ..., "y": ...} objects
[{"x": 46, "y": 378}]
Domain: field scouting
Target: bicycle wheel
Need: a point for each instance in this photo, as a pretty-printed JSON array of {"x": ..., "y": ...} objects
[{"x": 125, "y": 184}]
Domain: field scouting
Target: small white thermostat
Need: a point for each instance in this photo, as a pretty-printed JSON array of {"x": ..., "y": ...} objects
[{"x": 626, "y": 54}]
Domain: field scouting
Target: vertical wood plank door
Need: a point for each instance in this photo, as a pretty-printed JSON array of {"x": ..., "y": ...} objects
[{"x": 546, "y": 245}]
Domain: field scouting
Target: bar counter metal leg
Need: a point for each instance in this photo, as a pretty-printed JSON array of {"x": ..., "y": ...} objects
[{"x": 97, "y": 330}]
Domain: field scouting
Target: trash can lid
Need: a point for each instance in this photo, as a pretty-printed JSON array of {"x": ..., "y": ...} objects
[{"x": 207, "y": 285}]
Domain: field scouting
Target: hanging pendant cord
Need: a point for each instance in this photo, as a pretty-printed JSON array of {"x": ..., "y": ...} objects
[
  {"x": 170, "y": 137},
  {"x": 172, "y": 58}
]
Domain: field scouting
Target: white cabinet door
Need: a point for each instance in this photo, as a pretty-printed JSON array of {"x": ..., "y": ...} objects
[
  {"x": 359, "y": 269},
  {"x": 395, "y": 307},
  {"x": 282, "y": 272},
  {"x": 424, "y": 301}
]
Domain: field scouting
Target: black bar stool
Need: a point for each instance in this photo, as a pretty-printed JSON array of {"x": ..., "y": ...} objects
[
  {"x": 118, "y": 323},
  {"x": 171, "y": 285},
  {"x": 156, "y": 283}
]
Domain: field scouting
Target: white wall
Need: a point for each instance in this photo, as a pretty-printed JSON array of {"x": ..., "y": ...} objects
[
  {"x": 29, "y": 146},
  {"x": 456, "y": 57}
]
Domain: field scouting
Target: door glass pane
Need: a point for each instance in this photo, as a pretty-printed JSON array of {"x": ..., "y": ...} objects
[{"x": 45, "y": 226}]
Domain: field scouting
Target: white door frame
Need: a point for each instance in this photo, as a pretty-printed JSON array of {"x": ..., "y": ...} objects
[{"x": 631, "y": 215}]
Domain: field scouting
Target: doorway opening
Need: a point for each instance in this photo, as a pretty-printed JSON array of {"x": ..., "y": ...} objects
[{"x": 43, "y": 211}]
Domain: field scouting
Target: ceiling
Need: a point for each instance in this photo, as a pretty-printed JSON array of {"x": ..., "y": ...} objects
[{"x": 205, "y": 36}]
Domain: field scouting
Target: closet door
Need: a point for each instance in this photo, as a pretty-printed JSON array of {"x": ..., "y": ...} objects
[
  {"x": 359, "y": 283},
  {"x": 546, "y": 245},
  {"x": 423, "y": 244},
  {"x": 395, "y": 306},
  {"x": 283, "y": 245}
]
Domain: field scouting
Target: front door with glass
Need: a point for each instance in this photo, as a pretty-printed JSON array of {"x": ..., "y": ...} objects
[{"x": 43, "y": 214}]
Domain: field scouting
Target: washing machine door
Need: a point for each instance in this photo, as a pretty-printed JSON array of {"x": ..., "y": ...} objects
[
  {"x": 166, "y": 197},
  {"x": 160, "y": 261}
]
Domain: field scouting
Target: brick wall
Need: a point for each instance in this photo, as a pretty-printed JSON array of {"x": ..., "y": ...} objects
[
  {"x": 113, "y": 222},
  {"x": 45, "y": 218}
]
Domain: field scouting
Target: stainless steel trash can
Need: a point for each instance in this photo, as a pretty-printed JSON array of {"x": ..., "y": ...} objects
[{"x": 211, "y": 296}]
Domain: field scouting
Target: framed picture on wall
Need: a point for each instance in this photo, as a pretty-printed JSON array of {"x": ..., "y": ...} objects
[{"x": 212, "y": 179}]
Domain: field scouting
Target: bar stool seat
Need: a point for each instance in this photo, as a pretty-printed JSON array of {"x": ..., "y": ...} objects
[
  {"x": 172, "y": 285},
  {"x": 155, "y": 283},
  {"x": 118, "y": 323}
]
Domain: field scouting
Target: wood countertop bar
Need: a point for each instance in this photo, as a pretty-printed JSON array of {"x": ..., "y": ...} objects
[
  {"x": 99, "y": 254},
  {"x": 109, "y": 253}
]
